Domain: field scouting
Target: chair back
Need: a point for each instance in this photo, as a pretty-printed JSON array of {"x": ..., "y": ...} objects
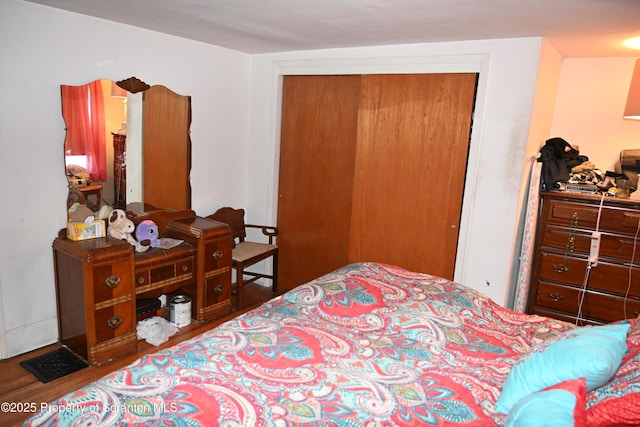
[{"x": 234, "y": 218}]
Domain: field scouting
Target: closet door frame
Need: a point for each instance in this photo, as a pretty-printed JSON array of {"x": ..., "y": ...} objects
[{"x": 429, "y": 64}]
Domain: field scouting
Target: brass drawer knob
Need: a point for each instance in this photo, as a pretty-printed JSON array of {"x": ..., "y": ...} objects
[
  {"x": 560, "y": 268},
  {"x": 112, "y": 281},
  {"x": 217, "y": 255},
  {"x": 218, "y": 290},
  {"x": 556, "y": 297},
  {"x": 184, "y": 268},
  {"x": 114, "y": 322},
  {"x": 140, "y": 280}
]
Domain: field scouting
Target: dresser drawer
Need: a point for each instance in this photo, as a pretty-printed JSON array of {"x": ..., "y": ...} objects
[
  {"x": 113, "y": 321},
  {"x": 217, "y": 297},
  {"x": 112, "y": 280},
  {"x": 585, "y": 216},
  {"x": 570, "y": 318},
  {"x": 217, "y": 289},
  {"x": 611, "y": 245},
  {"x": 558, "y": 268},
  {"x": 217, "y": 254},
  {"x": 607, "y": 277},
  {"x": 596, "y": 305},
  {"x": 178, "y": 272}
]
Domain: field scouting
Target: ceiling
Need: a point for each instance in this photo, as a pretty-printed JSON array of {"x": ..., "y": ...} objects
[{"x": 577, "y": 28}]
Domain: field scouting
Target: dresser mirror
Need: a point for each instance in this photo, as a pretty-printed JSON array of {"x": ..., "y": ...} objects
[{"x": 127, "y": 145}]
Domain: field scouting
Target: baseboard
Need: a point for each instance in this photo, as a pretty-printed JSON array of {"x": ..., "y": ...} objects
[{"x": 30, "y": 337}]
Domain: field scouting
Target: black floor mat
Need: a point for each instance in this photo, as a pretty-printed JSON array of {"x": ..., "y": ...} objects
[{"x": 54, "y": 364}]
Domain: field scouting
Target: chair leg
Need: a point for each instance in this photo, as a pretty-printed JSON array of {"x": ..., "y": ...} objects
[
  {"x": 274, "y": 280},
  {"x": 239, "y": 285}
]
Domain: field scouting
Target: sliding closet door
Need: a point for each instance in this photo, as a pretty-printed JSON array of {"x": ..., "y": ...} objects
[
  {"x": 413, "y": 140},
  {"x": 317, "y": 152},
  {"x": 372, "y": 168}
]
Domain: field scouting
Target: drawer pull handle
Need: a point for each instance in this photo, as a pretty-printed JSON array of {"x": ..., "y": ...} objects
[
  {"x": 570, "y": 246},
  {"x": 217, "y": 255},
  {"x": 560, "y": 268},
  {"x": 184, "y": 268},
  {"x": 636, "y": 313},
  {"x": 218, "y": 290},
  {"x": 140, "y": 280},
  {"x": 114, "y": 322},
  {"x": 112, "y": 281},
  {"x": 556, "y": 297}
]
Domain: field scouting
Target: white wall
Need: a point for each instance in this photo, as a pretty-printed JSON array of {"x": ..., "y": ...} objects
[
  {"x": 591, "y": 97},
  {"x": 544, "y": 100},
  {"x": 549, "y": 69},
  {"x": 508, "y": 70},
  {"x": 43, "y": 48}
]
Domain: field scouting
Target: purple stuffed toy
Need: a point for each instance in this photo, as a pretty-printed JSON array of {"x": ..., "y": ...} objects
[{"x": 148, "y": 230}]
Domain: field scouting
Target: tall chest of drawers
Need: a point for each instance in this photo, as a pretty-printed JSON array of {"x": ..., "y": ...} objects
[{"x": 564, "y": 284}]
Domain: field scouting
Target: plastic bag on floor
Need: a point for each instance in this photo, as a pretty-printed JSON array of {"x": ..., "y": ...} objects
[{"x": 155, "y": 330}]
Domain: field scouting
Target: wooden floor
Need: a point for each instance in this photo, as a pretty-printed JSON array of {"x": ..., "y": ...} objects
[{"x": 22, "y": 394}]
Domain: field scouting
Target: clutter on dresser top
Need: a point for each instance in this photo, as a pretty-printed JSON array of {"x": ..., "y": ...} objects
[{"x": 564, "y": 168}]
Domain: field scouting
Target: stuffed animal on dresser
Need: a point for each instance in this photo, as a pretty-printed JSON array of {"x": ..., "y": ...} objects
[
  {"x": 147, "y": 233},
  {"x": 122, "y": 228}
]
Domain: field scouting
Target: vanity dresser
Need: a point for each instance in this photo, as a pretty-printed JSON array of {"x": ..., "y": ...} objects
[
  {"x": 562, "y": 285},
  {"x": 98, "y": 281}
]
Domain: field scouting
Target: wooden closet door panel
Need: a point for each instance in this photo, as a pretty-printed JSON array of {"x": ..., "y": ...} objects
[
  {"x": 317, "y": 151},
  {"x": 413, "y": 140},
  {"x": 167, "y": 118}
]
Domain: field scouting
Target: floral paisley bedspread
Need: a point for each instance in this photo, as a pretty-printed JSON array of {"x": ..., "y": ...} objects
[{"x": 367, "y": 345}]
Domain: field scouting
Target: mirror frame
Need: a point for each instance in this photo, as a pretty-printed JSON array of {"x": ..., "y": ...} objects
[{"x": 133, "y": 85}]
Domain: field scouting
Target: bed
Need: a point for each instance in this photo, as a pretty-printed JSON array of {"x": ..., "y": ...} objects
[{"x": 366, "y": 345}]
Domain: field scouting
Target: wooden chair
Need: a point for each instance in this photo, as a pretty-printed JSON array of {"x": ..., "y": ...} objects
[{"x": 244, "y": 253}]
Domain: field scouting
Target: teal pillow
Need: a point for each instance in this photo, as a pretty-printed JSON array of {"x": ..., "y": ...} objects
[
  {"x": 562, "y": 405},
  {"x": 593, "y": 352}
]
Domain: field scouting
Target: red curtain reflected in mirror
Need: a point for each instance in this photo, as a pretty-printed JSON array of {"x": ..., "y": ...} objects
[{"x": 83, "y": 113}]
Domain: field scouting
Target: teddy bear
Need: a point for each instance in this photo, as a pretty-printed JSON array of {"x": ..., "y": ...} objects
[
  {"x": 122, "y": 228},
  {"x": 147, "y": 232}
]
